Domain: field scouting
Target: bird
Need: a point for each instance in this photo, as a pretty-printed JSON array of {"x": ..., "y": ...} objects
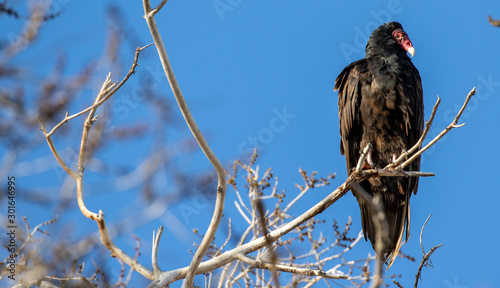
[{"x": 380, "y": 101}]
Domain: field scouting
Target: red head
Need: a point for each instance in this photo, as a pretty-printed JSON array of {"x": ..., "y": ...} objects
[{"x": 403, "y": 41}]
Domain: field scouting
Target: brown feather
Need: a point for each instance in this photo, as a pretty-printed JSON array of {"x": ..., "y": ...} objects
[{"x": 381, "y": 102}]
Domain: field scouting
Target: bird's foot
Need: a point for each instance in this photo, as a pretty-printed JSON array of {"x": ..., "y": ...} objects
[
  {"x": 368, "y": 161},
  {"x": 393, "y": 166}
]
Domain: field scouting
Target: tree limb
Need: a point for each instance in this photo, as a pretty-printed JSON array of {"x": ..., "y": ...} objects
[
  {"x": 107, "y": 90},
  {"x": 221, "y": 174},
  {"x": 291, "y": 269}
]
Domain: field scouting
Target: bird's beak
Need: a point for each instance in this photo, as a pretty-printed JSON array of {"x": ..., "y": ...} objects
[
  {"x": 411, "y": 50},
  {"x": 407, "y": 45}
]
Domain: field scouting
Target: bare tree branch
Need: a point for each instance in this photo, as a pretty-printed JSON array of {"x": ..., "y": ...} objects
[
  {"x": 105, "y": 93},
  {"x": 426, "y": 256},
  {"x": 452, "y": 125},
  {"x": 221, "y": 174},
  {"x": 269, "y": 244},
  {"x": 156, "y": 245},
  {"x": 397, "y": 283},
  {"x": 291, "y": 269},
  {"x": 54, "y": 150}
]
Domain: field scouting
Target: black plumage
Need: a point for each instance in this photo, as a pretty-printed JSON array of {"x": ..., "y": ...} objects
[{"x": 380, "y": 102}]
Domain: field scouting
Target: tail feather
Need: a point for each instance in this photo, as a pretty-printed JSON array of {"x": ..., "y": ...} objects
[
  {"x": 398, "y": 220},
  {"x": 399, "y": 230}
]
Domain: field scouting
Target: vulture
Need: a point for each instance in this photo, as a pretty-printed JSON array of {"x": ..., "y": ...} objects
[{"x": 380, "y": 102}]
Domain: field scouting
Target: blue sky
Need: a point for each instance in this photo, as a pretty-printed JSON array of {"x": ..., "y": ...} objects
[{"x": 262, "y": 73}]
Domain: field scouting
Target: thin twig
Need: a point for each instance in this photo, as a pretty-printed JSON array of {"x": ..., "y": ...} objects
[
  {"x": 397, "y": 283},
  {"x": 422, "y": 234},
  {"x": 221, "y": 173},
  {"x": 242, "y": 212},
  {"x": 269, "y": 243},
  {"x": 107, "y": 90},
  {"x": 446, "y": 130},
  {"x": 227, "y": 239},
  {"x": 290, "y": 269},
  {"x": 424, "y": 260},
  {"x": 54, "y": 150},
  {"x": 156, "y": 245},
  {"x": 426, "y": 256},
  {"x": 114, "y": 86}
]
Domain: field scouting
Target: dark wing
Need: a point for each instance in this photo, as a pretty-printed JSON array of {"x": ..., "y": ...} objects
[
  {"x": 349, "y": 83},
  {"x": 414, "y": 93}
]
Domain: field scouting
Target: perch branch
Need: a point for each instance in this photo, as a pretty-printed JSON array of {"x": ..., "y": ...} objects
[{"x": 221, "y": 174}]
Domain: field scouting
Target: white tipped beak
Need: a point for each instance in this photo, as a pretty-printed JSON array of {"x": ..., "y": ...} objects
[{"x": 411, "y": 50}]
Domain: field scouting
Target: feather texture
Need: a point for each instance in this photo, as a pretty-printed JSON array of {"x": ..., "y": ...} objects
[{"x": 380, "y": 102}]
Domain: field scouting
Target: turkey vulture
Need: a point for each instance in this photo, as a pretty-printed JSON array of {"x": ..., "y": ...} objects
[{"x": 380, "y": 102}]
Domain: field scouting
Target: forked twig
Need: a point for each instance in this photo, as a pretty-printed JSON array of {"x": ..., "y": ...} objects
[
  {"x": 108, "y": 93},
  {"x": 426, "y": 256},
  {"x": 107, "y": 90},
  {"x": 452, "y": 125}
]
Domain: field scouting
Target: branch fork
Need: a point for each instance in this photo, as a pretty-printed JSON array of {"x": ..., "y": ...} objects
[{"x": 107, "y": 90}]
